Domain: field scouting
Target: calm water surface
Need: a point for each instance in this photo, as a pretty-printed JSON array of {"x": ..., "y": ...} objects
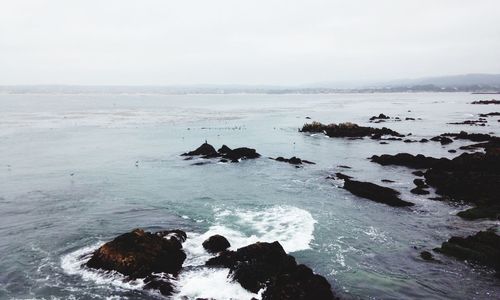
[{"x": 77, "y": 170}]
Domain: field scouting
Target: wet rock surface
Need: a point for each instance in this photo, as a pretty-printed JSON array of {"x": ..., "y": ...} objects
[
  {"x": 266, "y": 265},
  {"x": 140, "y": 254},
  {"x": 418, "y": 161},
  {"x": 373, "y": 191},
  {"x": 216, "y": 243},
  {"x": 349, "y": 130},
  {"x": 482, "y": 248}
]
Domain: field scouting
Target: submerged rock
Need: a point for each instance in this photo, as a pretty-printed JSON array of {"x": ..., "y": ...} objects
[
  {"x": 216, "y": 243},
  {"x": 266, "y": 265},
  {"x": 442, "y": 139},
  {"x": 492, "y": 101},
  {"x": 491, "y": 114},
  {"x": 293, "y": 160},
  {"x": 426, "y": 255},
  {"x": 348, "y": 130},
  {"x": 373, "y": 191},
  {"x": 482, "y": 248}
]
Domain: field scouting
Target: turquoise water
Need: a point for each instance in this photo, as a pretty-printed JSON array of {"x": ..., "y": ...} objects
[{"x": 77, "y": 170}]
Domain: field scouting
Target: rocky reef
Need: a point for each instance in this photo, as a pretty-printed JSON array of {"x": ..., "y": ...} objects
[
  {"x": 348, "y": 130},
  {"x": 492, "y": 101},
  {"x": 267, "y": 266},
  {"x": 293, "y": 160},
  {"x": 224, "y": 153}
]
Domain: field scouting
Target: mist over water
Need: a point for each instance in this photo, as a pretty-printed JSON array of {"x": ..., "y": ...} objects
[{"x": 77, "y": 170}]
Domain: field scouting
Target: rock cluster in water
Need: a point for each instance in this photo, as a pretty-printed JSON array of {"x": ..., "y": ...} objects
[
  {"x": 267, "y": 266},
  {"x": 140, "y": 254},
  {"x": 349, "y": 130},
  {"x": 293, "y": 160},
  {"x": 492, "y": 101},
  {"x": 225, "y": 153}
]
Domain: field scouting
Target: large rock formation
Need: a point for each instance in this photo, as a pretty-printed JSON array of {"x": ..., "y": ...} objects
[
  {"x": 225, "y": 153},
  {"x": 139, "y": 254},
  {"x": 266, "y": 265},
  {"x": 216, "y": 243}
]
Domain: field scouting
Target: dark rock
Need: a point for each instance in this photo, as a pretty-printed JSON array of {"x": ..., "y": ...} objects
[
  {"x": 299, "y": 284},
  {"x": 241, "y": 153},
  {"x": 474, "y": 137},
  {"x": 479, "y": 122},
  {"x": 492, "y": 101},
  {"x": 266, "y": 265},
  {"x": 216, "y": 243},
  {"x": 293, "y": 160},
  {"x": 419, "y": 191},
  {"x": 410, "y": 141},
  {"x": 308, "y": 118},
  {"x": 418, "y": 173},
  {"x": 476, "y": 213},
  {"x": 482, "y": 248},
  {"x": 159, "y": 283},
  {"x": 379, "y": 117},
  {"x": 426, "y": 255},
  {"x": 348, "y": 130},
  {"x": 138, "y": 254},
  {"x": 373, "y": 192},
  {"x": 224, "y": 150},
  {"x": 387, "y": 180},
  {"x": 442, "y": 139},
  {"x": 383, "y": 143},
  {"x": 424, "y": 141},
  {"x": 409, "y": 119},
  {"x": 491, "y": 114},
  {"x": 420, "y": 183},
  {"x": 344, "y": 167},
  {"x": 342, "y": 176},
  {"x": 205, "y": 149},
  {"x": 408, "y": 160},
  {"x": 452, "y": 151}
]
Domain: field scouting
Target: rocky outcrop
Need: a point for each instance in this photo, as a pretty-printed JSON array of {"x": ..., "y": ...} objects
[
  {"x": 491, "y": 114},
  {"x": 293, "y": 160},
  {"x": 474, "y": 137},
  {"x": 482, "y": 248},
  {"x": 418, "y": 161},
  {"x": 266, "y": 265},
  {"x": 216, "y": 243},
  {"x": 140, "y": 254},
  {"x": 373, "y": 191},
  {"x": 225, "y": 153},
  {"x": 479, "y": 122},
  {"x": 442, "y": 139},
  {"x": 492, "y": 101},
  {"x": 348, "y": 130},
  {"x": 379, "y": 117}
]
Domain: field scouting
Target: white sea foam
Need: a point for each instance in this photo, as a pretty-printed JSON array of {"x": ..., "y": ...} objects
[
  {"x": 210, "y": 284},
  {"x": 291, "y": 226},
  {"x": 72, "y": 265}
]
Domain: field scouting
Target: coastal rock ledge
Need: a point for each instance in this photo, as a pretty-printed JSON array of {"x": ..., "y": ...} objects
[{"x": 157, "y": 258}]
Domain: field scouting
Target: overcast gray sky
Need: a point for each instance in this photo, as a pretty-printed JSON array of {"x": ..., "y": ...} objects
[{"x": 165, "y": 42}]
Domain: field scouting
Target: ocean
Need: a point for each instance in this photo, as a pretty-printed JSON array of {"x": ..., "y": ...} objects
[{"x": 76, "y": 170}]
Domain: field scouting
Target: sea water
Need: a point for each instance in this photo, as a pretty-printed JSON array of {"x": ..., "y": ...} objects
[{"x": 76, "y": 170}]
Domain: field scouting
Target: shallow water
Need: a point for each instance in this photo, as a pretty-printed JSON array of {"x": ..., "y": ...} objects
[{"x": 77, "y": 170}]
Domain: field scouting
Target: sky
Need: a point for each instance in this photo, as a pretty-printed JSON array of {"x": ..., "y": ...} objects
[{"x": 257, "y": 42}]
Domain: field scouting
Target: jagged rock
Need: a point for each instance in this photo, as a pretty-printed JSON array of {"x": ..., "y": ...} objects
[
  {"x": 266, "y": 265},
  {"x": 482, "y": 248},
  {"x": 418, "y": 173},
  {"x": 241, "y": 153},
  {"x": 348, "y": 130},
  {"x": 224, "y": 150},
  {"x": 426, "y": 255},
  {"x": 205, "y": 149},
  {"x": 420, "y": 183},
  {"x": 216, "y": 243}
]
